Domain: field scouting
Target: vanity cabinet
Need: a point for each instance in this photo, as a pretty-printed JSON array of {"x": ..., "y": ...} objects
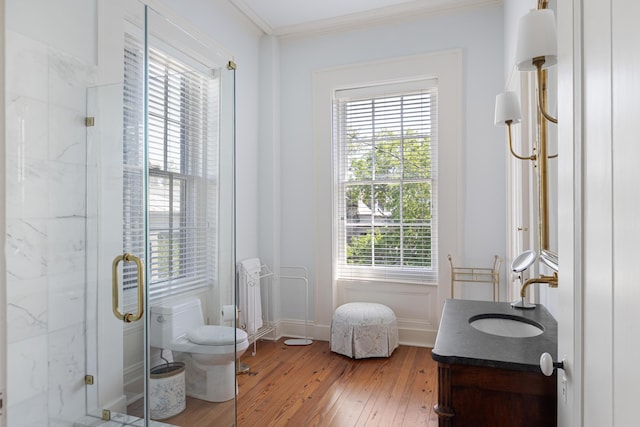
[
  {"x": 492, "y": 397},
  {"x": 488, "y": 380}
]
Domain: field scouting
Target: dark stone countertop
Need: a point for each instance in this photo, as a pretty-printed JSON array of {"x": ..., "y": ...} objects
[{"x": 458, "y": 342}]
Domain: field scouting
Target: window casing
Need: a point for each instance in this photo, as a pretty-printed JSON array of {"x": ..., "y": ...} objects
[
  {"x": 385, "y": 173},
  {"x": 182, "y": 164}
]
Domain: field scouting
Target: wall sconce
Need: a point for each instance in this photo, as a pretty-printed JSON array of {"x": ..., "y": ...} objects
[
  {"x": 536, "y": 50},
  {"x": 508, "y": 113}
]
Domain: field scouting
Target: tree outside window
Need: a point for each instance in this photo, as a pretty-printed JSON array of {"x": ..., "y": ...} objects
[{"x": 386, "y": 178}]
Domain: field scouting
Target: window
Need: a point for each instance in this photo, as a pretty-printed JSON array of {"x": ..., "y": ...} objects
[
  {"x": 182, "y": 181},
  {"x": 385, "y": 191}
]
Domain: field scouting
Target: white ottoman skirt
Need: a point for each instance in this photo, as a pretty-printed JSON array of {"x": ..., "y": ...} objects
[{"x": 364, "y": 329}]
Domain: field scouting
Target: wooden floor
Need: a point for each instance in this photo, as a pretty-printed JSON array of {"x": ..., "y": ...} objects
[{"x": 303, "y": 386}]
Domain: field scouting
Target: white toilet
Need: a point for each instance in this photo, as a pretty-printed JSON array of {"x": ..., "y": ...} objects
[{"x": 208, "y": 351}]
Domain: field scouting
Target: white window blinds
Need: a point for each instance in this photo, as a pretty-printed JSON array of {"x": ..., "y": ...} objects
[
  {"x": 385, "y": 163},
  {"x": 182, "y": 182}
]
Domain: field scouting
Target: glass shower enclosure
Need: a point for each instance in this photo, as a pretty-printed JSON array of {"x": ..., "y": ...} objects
[{"x": 160, "y": 215}]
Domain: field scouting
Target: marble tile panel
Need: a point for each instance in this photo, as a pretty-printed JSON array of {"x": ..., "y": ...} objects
[
  {"x": 27, "y": 188},
  {"x": 27, "y": 67},
  {"x": 91, "y": 339},
  {"x": 67, "y": 135},
  {"x": 66, "y": 190},
  {"x": 26, "y": 248},
  {"x": 66, "y": 356},
  {"x": 27, "y": 377},
  {"x": 29, "y": 413},
  {"x": 66, "y": 300},
  {"x": 68, "y": 81},
  {"x": 66, "y": 374},
  {"x": 27, "y": 304},
  {"x": 92, "y": 248},
  {"x": 65, "y": 245},
  {"x": 27, "y": 127},
  {"x": 66, "y": 404}
]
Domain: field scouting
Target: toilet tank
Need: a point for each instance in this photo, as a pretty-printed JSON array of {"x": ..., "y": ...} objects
[{"x": 170, "y": 320}]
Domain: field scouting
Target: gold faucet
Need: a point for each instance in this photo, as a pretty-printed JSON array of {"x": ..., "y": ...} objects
[{"x": 552, "y": 281}]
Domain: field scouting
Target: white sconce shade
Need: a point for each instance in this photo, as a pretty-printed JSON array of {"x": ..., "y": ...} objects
[
  {"x": 507, "y": 108},
  {"x": 537, "y": 37}
]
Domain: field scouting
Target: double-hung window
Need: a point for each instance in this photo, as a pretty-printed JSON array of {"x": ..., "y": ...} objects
[
  {"x": 182, "y": 165},
  {"x": 385, "y": 164}
]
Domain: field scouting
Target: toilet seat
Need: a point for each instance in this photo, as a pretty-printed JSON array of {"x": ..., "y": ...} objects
[{"x": 216, "y": 335}]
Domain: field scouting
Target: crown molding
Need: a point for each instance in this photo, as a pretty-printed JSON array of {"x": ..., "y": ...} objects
[
  {"x": 253, "y": 16},
  {"x": 395, "y": 13}
]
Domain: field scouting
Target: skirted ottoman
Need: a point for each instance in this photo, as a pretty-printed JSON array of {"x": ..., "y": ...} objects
[{"x": 364, "y": 329}]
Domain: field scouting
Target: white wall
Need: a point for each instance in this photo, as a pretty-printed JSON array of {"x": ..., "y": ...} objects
[
  {"x": 478, "y": 33},
  {"x": 228, "y": 27},
  {"x": 269, "y": 199},
  {"x": 275, "y": 147},
  {"x": 414, "y": 304}
]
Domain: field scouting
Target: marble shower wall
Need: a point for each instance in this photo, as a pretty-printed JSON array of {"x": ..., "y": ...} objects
[{"x": 46, "y": 238}]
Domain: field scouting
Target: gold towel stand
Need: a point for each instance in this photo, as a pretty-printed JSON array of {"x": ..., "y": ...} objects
[{"x": 478, "y": 275}]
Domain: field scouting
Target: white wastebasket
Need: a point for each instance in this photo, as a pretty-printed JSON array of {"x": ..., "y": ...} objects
[{"x": 167, "y": 390}]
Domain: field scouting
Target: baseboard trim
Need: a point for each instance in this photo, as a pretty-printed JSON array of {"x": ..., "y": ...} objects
[{"x": 409, "y": 332}]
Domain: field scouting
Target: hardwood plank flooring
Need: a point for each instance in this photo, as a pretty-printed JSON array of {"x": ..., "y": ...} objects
[{"x": 304, "y": 386}]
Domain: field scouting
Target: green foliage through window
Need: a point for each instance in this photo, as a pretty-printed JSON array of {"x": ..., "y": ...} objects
[{"x": 386, "y": 181}]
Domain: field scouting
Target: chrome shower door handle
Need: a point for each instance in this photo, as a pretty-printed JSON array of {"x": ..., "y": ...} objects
[{"x": 127, "y": 317}]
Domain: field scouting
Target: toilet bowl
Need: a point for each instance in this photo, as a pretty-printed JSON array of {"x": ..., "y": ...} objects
[{"x": 208, "y": 351}]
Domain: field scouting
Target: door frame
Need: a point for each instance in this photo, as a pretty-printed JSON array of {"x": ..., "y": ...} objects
[{"x": 570, "y": 213}]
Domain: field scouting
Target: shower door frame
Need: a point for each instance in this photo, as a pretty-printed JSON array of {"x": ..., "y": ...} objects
[{"x": 106, "y": 336}]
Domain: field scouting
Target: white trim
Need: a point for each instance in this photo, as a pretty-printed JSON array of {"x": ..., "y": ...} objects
[
  {"x": 112, "y": 15},
  {"x": 446, "y": 66},
  {"x": 410, "y": 332},
  {"x": 422, "y": 96},
  {"x": 386, "y": 88},
  {"x": 570, "y": 202},
  {"x": 220, "y": 53},
  {"x": 133, "y": 374},
  {"x": 390, "y": 14},
  {"x": 118, "y": 405},
  {"x": 415, "y": 306},
  {"x": 253, "y": 16}
]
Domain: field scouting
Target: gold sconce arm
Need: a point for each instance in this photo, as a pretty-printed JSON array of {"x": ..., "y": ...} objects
[
  {"x": 543, "y": 4},
  {"x": 542, "y": 89},
  {"x": 516, "y": 155}
]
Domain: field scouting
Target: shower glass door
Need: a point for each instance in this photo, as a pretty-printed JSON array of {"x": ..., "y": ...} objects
[
  {"x": 160, "y": 212},
  {"x": 115, "y": 348}
]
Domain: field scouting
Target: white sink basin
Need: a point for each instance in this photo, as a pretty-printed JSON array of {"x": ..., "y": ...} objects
[{"x": 506, "y": 326}]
